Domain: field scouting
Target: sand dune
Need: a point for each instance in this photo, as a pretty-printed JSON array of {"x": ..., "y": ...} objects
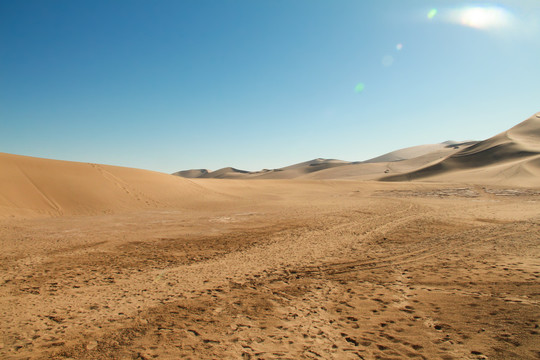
[
  {"x": 510, "y": 157},
  {"x": 33, "y": 186},
  {"x": 375, "y": 170},
  {"x": 288, "y": 172},
  {"x": 300, "y": 169},
  {"x": 416, "y": 151},
  {"x": 334, "y": 169},
  {"x": 225, "y": 173},
  {"x": 191, "y": 174}
]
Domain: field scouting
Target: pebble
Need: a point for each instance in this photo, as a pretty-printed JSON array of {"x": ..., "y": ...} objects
[{"x": 92, "y": 345}]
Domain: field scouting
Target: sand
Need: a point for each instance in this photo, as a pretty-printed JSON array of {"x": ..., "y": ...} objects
[
  {"x": 41, "y": 187},
  {"x": 511, "y": 157},
  {"x": 104, "y": 262},
  {"x": 281, "y": 269}
]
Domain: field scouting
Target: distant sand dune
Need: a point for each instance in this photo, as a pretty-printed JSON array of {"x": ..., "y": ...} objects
[
  {"x": 416, "y": 151},
  {"x": 32, "y": 186},
  {"x": 225, "y": 173},
  {"x": 335, "y": 169},
  {"x": 371, "y": 170},
  {"x": 303, "y": 168},
  {"x": 510, "y": 157},
  {"x": 191, "y": 174}
]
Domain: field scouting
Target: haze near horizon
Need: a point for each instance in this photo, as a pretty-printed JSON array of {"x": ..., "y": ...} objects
[{"x": 177, "y": 85}]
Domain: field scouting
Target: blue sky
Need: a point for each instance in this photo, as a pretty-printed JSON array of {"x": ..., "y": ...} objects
[{"x": 171, "y": 85}]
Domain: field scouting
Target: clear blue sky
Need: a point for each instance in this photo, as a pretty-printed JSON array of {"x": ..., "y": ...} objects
[{"x": 171, "y": 85}]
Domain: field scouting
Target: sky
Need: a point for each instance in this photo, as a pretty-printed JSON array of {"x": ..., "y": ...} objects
[{"x": 168, "y": 85}]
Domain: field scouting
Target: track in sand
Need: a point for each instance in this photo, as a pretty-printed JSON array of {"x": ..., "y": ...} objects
[{"x": 377, "y": 271}]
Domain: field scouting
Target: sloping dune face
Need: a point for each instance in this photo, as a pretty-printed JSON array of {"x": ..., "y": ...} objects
[
  {"x": 511, "y": 157},
  {"x": 33, "y": 186},
  {"x": 191, "y": 174},
  {"x": 374, "y": 170},
  {"x": 411, "y": 152},
  {"x": 289, "y": 172},
  {"x": 301, "y": 169},
  {"x": 225, "y": 173}
]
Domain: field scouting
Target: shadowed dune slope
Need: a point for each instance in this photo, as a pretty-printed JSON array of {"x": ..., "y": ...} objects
[
  {"x": 372, "y": 170},
  {"x": 394, "y": 162},
  {"x": 288, "y": 172},
  {"x": 32, "y": 186},
  {"x": 191, "y": 174},
  {"x": 225, "y": 173},
  {"x": 511, "y": 157}
]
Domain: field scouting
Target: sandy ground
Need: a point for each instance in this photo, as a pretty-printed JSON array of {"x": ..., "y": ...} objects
[{"x": 357, "y": 270}]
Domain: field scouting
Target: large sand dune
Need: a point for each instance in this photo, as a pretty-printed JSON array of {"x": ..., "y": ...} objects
[
  {"x": 417, "y": 151},
  {"x": 33, "y": 186},
  {"x": 511, "y": 157}
]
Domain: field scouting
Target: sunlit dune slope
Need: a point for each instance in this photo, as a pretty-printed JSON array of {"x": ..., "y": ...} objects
[
  {"x": 416, "y": 151},
  {"x": 511, "y": 157},
  {"x": 303, "y": 168},
  {"x": 371, "y": 169},
  {"x": 394, "y": 162},
  {"x": 33, "y": 186}
]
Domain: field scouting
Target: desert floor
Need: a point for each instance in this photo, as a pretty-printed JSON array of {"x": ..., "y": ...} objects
[{"x": 329, "y": 270}]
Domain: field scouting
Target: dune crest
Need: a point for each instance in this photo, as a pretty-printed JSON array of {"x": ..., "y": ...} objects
[
  {"x": 510, "y": 157},
  {"x": 191, "y": 174},
  {"x": 33, "y": 186}
]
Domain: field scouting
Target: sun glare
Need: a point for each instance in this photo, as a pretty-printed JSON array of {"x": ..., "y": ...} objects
[{"x": 482, "y": 17}]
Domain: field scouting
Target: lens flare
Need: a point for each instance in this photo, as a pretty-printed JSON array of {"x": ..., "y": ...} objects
[
  {"x": 431, "y": 14},
  {"x": 359, "y": 87},
  {"x": 399, "y": 47}
]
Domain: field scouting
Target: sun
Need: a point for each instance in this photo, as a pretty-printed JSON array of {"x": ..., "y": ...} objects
[{"x": 483, "y": 17}]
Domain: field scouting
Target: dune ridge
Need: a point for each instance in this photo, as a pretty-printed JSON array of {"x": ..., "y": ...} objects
[
  {"x": 510, "y": 157},
  {"x": 191, "y": 174},
  {"x": 320, "y": 165},
  {"x": 42, "y": 187},
  {"x": 33, "y": 186},
  {"x": 417, "y": 151},
  {"x": 395, "y": 162}
]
